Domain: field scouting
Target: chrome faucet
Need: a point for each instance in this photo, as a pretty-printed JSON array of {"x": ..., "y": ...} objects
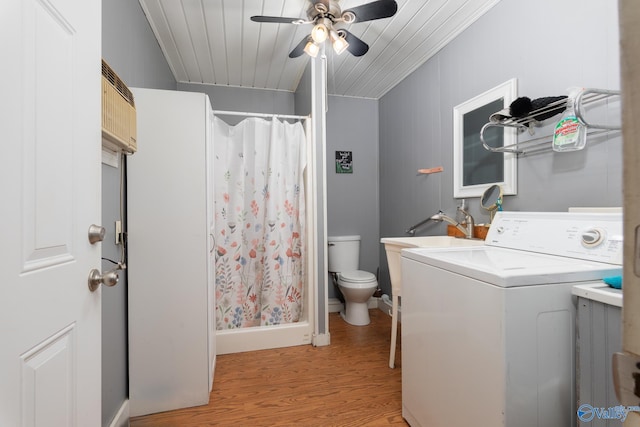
[
  {"x": 412, "y": 230},
  {"x": 468, "y": 230}
]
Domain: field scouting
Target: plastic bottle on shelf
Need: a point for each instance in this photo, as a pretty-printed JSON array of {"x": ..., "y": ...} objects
[{"x": 570, "y": 134}]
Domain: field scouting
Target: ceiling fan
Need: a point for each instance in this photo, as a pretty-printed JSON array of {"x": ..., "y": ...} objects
[{"x": 325, "y": 14}]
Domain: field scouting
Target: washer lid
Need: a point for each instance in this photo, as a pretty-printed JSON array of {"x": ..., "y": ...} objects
[
  {"x": 357, "y": 276},
  {"x": 509, "y": 267}
]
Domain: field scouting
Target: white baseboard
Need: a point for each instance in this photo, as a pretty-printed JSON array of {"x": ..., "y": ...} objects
[
  {"x": 335, "y": 306},
  {"x": 386, "y": 306},
  {"x": 122, "y": 417}
]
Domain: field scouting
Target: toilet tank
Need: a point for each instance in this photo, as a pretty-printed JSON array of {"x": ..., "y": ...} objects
[{"x": 344, "y": 253}]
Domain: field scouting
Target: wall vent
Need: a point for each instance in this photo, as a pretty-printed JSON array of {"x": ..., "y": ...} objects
[{"x": 118, "y": 113}]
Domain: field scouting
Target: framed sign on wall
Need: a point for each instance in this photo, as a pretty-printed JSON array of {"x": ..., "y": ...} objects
[{"x": 344, "y": 162}]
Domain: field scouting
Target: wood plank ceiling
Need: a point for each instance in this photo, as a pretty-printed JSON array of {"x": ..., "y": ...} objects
[{"x": 214, "y": 42}]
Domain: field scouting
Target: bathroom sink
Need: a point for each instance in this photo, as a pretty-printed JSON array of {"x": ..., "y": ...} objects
[{"x": 393, "y": 246}]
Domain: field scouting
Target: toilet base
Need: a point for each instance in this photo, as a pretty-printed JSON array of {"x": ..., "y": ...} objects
[{"x": 356, "y": 313}]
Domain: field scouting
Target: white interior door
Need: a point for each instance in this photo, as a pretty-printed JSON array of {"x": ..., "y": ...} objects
[{"x": 49, "y": 196}]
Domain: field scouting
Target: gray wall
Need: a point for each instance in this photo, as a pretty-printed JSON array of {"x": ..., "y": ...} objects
[
  {"x": 352, "y": 199},
  {"x": 244, "y": 99},
  {"x": 129, "y": 47},
  {"x": 302, "y": 96},
  {"x": 548, "y": 48}
]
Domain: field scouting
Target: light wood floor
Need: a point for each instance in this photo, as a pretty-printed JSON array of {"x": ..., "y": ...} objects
[{"x": 347, "y": 383}]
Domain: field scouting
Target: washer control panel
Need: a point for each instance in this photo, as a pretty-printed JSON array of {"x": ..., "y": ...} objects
[{"x": 589, "y": 236}]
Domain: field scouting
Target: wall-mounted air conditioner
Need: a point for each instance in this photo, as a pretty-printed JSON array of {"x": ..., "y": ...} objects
[{"x": 118, "y": 113}]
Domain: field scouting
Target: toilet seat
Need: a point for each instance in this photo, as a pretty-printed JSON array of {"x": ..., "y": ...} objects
[{"x": 356, "y": 279}]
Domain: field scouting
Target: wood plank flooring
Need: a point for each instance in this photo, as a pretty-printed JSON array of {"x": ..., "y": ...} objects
[{"x": 347, "y": 383}]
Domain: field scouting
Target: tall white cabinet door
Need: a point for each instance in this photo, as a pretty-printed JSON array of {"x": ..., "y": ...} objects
[
  {"x": 169, "y": 252},
  {"x": 211, "y": 268},
  {"x": 49, "y": 196}
]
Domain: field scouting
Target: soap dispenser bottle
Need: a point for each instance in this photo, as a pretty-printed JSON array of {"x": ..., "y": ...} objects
[{"x": 570, "y": 134}]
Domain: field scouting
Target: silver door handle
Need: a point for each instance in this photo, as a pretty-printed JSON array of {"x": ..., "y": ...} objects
[
  {"x": 110, "y": 278},
  {"x": 96, "y": 233}
]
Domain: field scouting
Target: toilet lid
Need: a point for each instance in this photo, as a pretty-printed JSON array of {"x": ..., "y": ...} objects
[{"x": 357, "y": 276}]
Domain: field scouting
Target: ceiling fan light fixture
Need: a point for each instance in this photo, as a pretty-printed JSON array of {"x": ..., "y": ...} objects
[
  {"x": 312, "y": 48},
  {"x": 348, "y": 17},
  {"x": 339, "y": 43},
  {"x": 319, "y": 33},
  {"x": 324, "y": 14}
]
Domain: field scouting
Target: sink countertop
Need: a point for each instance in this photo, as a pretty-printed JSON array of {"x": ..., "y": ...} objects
[{"x": 429, "y": 241}]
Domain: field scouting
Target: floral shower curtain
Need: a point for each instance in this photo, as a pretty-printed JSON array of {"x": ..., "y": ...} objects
[{"x": 259, "y": 222}]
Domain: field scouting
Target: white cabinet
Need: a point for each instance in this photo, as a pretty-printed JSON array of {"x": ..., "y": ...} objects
[{"x": 170, "y": 263}]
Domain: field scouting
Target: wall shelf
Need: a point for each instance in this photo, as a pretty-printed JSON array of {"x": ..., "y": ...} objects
[{"x": 527, "y": 124}]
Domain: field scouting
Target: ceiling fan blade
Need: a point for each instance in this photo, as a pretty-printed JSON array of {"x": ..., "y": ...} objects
[
  {"x": 356, "y": 46},
  {"x": 374, "y": 10},
  {"x": 277, "y": 19},
  {"x": 299, "y": 49}
]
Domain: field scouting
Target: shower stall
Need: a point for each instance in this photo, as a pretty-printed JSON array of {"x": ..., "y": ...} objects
[{"x": 263, "y": 170}]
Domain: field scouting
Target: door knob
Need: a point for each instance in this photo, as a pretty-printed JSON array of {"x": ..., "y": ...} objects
[
  {"x": 96, "y": 233},
  {"x": 110, "y": 278}
]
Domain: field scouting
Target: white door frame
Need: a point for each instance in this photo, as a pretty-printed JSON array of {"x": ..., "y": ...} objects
[{"x": 625, "y": 364}]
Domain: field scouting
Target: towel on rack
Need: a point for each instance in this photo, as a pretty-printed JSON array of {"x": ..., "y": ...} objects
[{"x": 539, "y": 108}]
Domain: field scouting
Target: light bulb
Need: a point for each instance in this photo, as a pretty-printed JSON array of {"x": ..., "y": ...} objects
[
  {"x": 312, "y": 49},
  {"x": 319, "y": 33},
  {"x": 340, "y": 45}
]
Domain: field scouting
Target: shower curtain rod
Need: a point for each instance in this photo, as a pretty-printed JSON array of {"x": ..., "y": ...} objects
[{"x": 240, "y": 113}]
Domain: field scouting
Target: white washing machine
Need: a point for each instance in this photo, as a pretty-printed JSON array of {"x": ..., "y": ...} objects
[{"x": 488, "y": 331}]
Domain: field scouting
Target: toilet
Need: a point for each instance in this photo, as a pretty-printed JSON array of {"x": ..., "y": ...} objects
[{"x": 356, "y": 286}]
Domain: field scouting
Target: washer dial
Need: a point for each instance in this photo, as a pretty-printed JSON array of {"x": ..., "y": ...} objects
[{"x": 592, "y": 237}]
